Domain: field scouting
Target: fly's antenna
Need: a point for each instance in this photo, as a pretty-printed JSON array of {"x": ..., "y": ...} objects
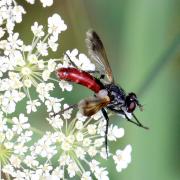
[{"x": 64, "y": 110}]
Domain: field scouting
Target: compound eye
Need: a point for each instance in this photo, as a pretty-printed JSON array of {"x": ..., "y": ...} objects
[{"x": 131, "y": 107}]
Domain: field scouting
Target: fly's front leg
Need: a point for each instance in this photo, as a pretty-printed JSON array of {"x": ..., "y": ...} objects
[
  {"x": 137, "y": 123},
  {"x": 107, "y": 125},
  {"x": 72, "y": 63},
  {"x": 102, "y": 76}
]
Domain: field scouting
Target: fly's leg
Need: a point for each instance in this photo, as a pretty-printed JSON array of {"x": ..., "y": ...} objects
[
  {"x": 71, "y": 61},
  {"x": 106, "y": 131},
  {"x": 62, "y": 111},
  {"x": 102, "y": 76},
  {"x": 137, "y": 123}
]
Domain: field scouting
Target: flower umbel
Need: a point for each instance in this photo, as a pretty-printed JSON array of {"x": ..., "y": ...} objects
[{"x": 74, "y": 143}]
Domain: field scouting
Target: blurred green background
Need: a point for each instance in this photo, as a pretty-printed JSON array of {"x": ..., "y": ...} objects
[{"x": 141, "y": 38}]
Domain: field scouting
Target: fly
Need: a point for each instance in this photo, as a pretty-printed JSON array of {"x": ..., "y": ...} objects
[{"x": 107, "y": 94}]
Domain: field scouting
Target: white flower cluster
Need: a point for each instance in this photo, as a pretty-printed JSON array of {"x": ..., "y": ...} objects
[
  {"x": 10, "y": 13},
  {"x": 14, "y": 141},
  {"x": 26, "y": 66},
  {"x": 45, "y": 3},
  {"x": 74, "y": 146},
  {"x": 26, "y": 76}
]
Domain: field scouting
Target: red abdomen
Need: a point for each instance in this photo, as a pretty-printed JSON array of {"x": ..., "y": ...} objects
[{"x": 80, "y": 77}]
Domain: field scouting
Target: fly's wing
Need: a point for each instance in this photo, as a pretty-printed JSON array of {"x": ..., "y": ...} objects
[
  {"x": 97, "y": 53},
  {"x": 92, "y": 105}
]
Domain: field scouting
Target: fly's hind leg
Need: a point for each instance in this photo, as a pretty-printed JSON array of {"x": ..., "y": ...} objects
[{"x": 107, "y": 125}]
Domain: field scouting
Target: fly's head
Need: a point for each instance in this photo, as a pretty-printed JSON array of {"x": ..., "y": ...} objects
[{"x": 132, "y": 102}]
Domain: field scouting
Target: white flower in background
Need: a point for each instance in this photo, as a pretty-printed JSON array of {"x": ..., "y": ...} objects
[
  {"x": 2, "y": 32},
  {"x": 30, "y": 1},
  {"x": 11, "y": 13},
  {"x": 56, "y": 25},
  {"x": 122, "y": 158},
  {"x": 46, "y": 3},
  {"x": 37, "y": 30}
]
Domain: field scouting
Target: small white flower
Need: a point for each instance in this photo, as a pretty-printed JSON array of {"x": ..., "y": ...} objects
[
  {"x": 122, "y": 158},
  {"x": 10, "y": 99},
  {"x": 20, "y": 124},
  {"x": 17, "y": 13},
  {"x": 56, "y": 121},
  {"x": 91, "y": 129},
  {"x": 92, "y": 151},
  {"x": 52, "y": 43},
  {"x": 79, "y": 125},
  {"x": 2, "y": 32},
  {"x": 3, "y": 125},
  {"x": 115, "y": 132},
  {"x": 86, "y": 176},
  {"x": 30, "y": 1},
  {"x": 72, "y": 169},
  {"x": 64, "y": 85},
  {"x": 31, "y": 161},
  {"x": 64, "y": 159},
  {"x": 46, "y": 75},
  {"x": 47, "y": 3},
  {"x": 37, "y": 30},
  {"x": 32, "y": 106},
  {"x": 9, "y": 134},
  {"x": 58, "y": 173},
  {"x": 86, "y": 64},
  {"x": 67, "y": 113},
  {"x": 79, "y": 136},
  {"x": 51, "y": 65},
  {"x": 43, "y": 90},
  {"x": 45, "y": 147},
  {"x": 14, "y": 41},
  {"x": 94, "y": 165},
  {"x": 53, "y": 104},
  {"x": 101, "y": 173},
  {"x": 32, "y": 58},
  {"x": 56, "y": 24},
  {"x": 20, "y": 149},
  {"x": 80, "y": 153},
  {"x": 42, "y": 48},
  {"x": 25, "y": 137},
  {"x": 15, "y": 161}
]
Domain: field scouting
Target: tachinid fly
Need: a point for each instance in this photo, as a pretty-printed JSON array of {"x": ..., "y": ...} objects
[{"x": 107, "y": 95}]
